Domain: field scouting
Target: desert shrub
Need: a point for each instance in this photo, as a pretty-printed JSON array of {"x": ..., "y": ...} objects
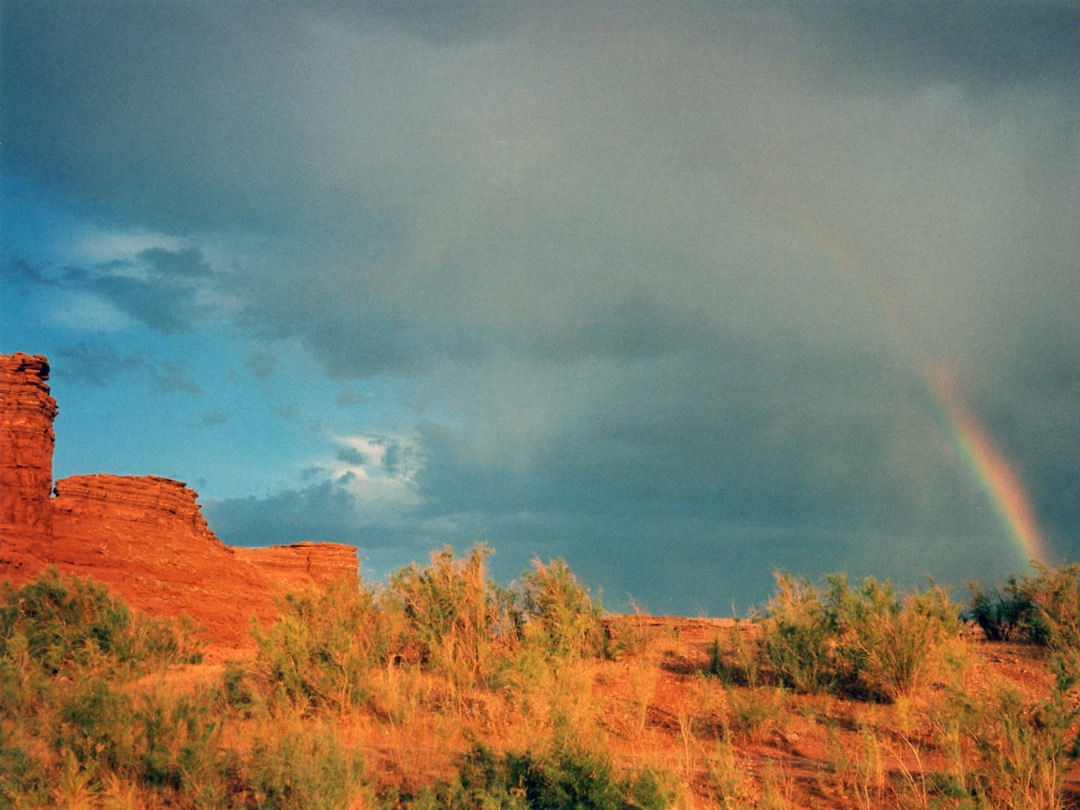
[
  {"x": 866, "y": 638},
  {"x": 450, "y": 613},
  {"x": 887, "y": 644},
  {"x": 1055, "y": 593},
  {"x": 797, "y": 640},
  {"x": 94, "y": 725},
  {"x": 755, "y": 715},
  {"x": 74, "y": 624},
  {"x": 239, "y": 692},
  {"x": 298, "y": 771},
  {"x": 736, "y": 660},
  {"x": 320, "y": 648},
  {"x": 566, "y": 778},
  {"x": 24, "y": 776},
  {"x": 1042, "y": 608},
  {"x": 1001, "y": 615},
  {"x": 559, "y": 613},
  {"x": 178, "y": 747}
]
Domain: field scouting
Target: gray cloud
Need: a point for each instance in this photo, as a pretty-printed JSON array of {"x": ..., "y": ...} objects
[
  {"x": 350, "y": 455},
  {"x": 261, "y": 364},
  {"x": 215, "y": 417},
  {"x": 348, "y": 396},
  {"x": 664, "y": 276},
  {"x": 99, "y": 364},
  {"x": 161, "y": 289},
  {"x": 323, "y": 512},
  {"x": 95, "y": 364}
]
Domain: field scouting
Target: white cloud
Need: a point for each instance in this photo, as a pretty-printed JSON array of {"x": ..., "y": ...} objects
[
  {"x": 380, "y": 471},
  {"x": 92, "y": 246}
]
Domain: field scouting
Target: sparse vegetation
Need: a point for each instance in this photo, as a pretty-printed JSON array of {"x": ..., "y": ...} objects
[
  {"x": 866, "y": 640},
  {"x": 443, "y": 690},
  {"x": 1042, "y": 608}
]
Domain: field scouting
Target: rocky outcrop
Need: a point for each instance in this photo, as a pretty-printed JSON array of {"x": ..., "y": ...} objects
[
  {"x": 144, "y": 536},
  {"x": 26, "y": 450},
  {"x": 147, "y": 504},
  {"x": 303, "y": 563}
]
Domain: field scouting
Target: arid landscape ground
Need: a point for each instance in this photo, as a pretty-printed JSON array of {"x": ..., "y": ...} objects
[{"x": 350, "y": 700}]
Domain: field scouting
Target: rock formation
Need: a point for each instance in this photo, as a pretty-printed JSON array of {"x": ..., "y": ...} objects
[
  {"x": 301, "y": 563},
  {"x": 144, "y": 536},
  {"x": 26, "y": 450}
]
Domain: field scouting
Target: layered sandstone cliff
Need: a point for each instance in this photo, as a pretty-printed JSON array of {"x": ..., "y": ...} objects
[
  {"x": 144, "y": 536},
  {"x": 302, "y": 563},
  {"x": 26, "y": 450}
]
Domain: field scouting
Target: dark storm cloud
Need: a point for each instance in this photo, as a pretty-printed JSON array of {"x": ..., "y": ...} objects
[
  {"x": 980, "y": 44},
  {"x": 323, "y": 512},
  {"x": 161, "y": 289},
  {"x": 183, "y": 263},
  {"x": 350, "y": 455},
  {"x": 664, "y": 275},
  {"x": 18, "y": 272},
  {"x": 148, "y": 302},
  {"x": 95, "y": 364}
]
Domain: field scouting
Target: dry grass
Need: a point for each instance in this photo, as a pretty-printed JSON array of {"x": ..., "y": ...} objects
[{"x": 350, "y": 705}]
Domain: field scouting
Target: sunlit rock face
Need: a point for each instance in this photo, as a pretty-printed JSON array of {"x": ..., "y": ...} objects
[
  {"x": 26, "y": 450},
  {"x": 144, "y": 536},
  {"x": 303, "y": 563}
]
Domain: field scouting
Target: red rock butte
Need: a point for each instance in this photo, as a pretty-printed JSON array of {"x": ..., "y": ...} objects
[{"x": 143, "y": 536}]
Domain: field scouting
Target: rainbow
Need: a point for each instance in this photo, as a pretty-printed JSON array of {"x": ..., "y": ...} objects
[
  {"x": 990, "y": 468},
  {"x": 986, "y": 463}
]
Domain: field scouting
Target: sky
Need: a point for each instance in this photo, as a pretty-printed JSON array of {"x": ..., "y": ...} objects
[{"x": 685, "y": 293}]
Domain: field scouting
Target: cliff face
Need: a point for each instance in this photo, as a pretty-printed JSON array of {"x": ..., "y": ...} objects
[
  {"x": 26, "y": 450},
  {"x": 146, "y": 538},
  {"x": 300, "y": 563},
  {"x": 143, "y": 536}
]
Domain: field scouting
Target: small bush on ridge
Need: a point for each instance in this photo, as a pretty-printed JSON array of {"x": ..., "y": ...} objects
[
  {"x": 449, "y": 612},
  {"x": 867, "y": 637},
  {"x": 559, "y": 612},
  {"x": 321, "y": 646},
  {"x": 1042, "y": 608}
]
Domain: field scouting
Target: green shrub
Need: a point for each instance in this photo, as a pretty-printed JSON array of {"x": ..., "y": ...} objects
[
  {"x": 71, "y": 624},
  {"x": 298, "y": 772},
  {"x": 23, "y": 777},
  {"x": 1055, "y": 592},
  {"x": 177, "y": 748},
  {"x": 738, "y": 662},
  {"x": 797, "y": 639},
  {"x": 884, "y": 643},
  {"x": 94, "y": 725},
  {"x": 1001, "y": 615},
  {"x": 563, "y": 779},
  {"x": 867, "y": 638},
  {"x": 559, "y": 613},
  {"x": 321, "y": 647},
  {"x": 1042, "y": 608},
  {"x": 449, "y": 612},
  {"x": 1027, "y": 749}
]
